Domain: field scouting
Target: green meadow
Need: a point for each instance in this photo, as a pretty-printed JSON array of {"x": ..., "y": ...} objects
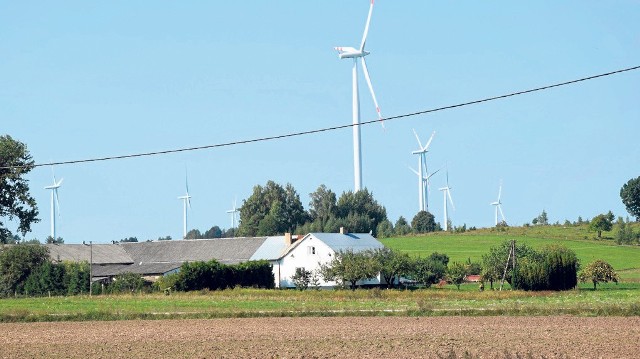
[{"x": 473, "y": 244}]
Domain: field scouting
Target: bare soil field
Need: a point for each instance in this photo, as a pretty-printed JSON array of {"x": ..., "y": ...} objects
[{"x": 342, "y": 337}]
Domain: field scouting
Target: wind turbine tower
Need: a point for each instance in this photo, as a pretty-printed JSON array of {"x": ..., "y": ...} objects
[
  {"x": 233, "y": 212},
  {"x": 55, "y": 204},
  {"x": 423, "y": 174},
  {"x": 186, "y": 201},
  {"x": 446, "y": 191},
  {"x": 498, "y": 205},
  {"x": 355, "y": 54}
]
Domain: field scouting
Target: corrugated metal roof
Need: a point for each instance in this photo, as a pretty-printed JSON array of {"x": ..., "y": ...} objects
[
  {"x": 224, "y": 250},
  {"x": 271, "y": 249},
  {"x": 350, "y": 241},
  {"x": 101, "y": 253}
]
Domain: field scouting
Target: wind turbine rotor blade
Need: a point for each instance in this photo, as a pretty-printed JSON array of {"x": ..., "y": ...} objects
[
  {"x": 426, "y": 147},
  {"x": 373, "y": 94},
  {"x": 366, "y": 28},
  {"x": 417, "y": 138},
  {"x": 55, "y": 192},
  {"x": 414, "y": 171},
  {"x": 502, "y": 214},
  {"x": 438, "y": 170},
  {"x": 500, "y": 191},
  {"x": 450, "y": 199}
]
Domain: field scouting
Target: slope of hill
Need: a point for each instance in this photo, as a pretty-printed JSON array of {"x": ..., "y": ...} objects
[{"x": 473, "y": 244}]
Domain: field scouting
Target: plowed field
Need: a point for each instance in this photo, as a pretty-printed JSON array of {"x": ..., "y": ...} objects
[{"x": 377, "y": 337}]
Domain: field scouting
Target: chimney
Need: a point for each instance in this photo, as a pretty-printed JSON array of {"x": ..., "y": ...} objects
[
  {"x": 287, "y": 239},
  {"x": 342, "y": 231}
]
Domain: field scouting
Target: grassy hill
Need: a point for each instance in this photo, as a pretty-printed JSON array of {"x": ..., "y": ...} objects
[{"x": 473, "y": 244}]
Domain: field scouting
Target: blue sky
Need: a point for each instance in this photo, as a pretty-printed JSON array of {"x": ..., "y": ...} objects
[{"x": 91, "y": 79}]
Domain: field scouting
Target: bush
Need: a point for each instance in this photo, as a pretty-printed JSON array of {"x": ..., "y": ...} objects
[
  {"x": 214, "y": 275},
  {"x": 126, "y": 283},
  {"x": 553, "y": 268}
]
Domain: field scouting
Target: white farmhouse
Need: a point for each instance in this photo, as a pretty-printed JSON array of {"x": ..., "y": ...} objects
[{"x": 288, "y": 252}]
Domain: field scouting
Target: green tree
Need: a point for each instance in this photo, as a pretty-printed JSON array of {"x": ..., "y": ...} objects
[
  {"x": 301, "y": 278},
  {"x": 385, "y": 229},
  {"x": 423, "y": 222},
  {"x": 350, "y": 267},
  {"x": 15, "y": 200},
  {"x": 213, "y": 232},
  {"x": 542, "y": 219},
  {"x": 601, "y": 222},
  {"x": 428, "y": 271},
  {"x": 598, "y": 271},
  {"x": 361, "y": 211},
  {"x": 393, "y": 264},
  {"x": 322, "y": 206},
  {"x": 456, "y": 273},
  {"x": 127, "y": 240},
  {"x": 167, "y": 238},
  {"x": 126, "y": 283},
  {"x": 194, "y": 234},
  {"x": 495, "y": 261},
  {"x": 624, "y": 232},
  {"x": 401, "y": 227},
  {"x": 281, "y": 204},
  {"x": 630, "y": 195},
  {"x": 17, "y": 263}
]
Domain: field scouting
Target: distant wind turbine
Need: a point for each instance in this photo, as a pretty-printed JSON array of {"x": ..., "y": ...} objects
[
  {"x": 498, "y": 205},
  {"x": 423, "y": 176},
  {"x": 233, "y": 212},
  {"x": 55, "y": 203},
  {"x": 446, "y": 191},
  {"x": 355, "y": 54},
  {"x": 186, "y": 201}
]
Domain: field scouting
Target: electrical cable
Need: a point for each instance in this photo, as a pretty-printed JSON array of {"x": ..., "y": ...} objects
[{"x": 333, "y": 128}]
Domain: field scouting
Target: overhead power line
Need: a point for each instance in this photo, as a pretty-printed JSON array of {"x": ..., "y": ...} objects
[{"x": 333, "y": 128}]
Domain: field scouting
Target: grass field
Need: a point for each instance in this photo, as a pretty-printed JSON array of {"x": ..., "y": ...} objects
[
  {"x": 610, "y": 299},
  {"x": 473, "y": 244}
]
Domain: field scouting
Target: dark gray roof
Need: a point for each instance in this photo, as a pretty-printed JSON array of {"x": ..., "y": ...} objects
[
  {"x": 224, "y": 250},
  {"x": 101, "y": 253},
  {"x": 144, "y": 269}
]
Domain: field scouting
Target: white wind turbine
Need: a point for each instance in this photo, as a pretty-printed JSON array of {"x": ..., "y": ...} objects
[
  {"x": 355, "y": 54},
  {"x": 498, "y": 205},
  {"x": 446, "y": 191},
  {"x": 186, "y": 201},
  {"x": 233, "y": 212},
  {"x": 55, "y": 204},
  {"x": 423, "y": 174}
]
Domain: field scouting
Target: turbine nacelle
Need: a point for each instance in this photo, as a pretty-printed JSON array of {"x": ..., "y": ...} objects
[{"x": 350, "y": 52}]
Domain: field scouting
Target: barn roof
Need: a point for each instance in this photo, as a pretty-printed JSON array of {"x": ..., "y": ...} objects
[
  {"x": 96, "y": 253},
  {"x": 224, "y": 250}
]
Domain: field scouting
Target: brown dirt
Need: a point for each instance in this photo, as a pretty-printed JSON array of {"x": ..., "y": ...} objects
[{"x": 384, "y": 337}]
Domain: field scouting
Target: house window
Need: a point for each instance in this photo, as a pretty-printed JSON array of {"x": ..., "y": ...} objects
[{"x": 311, "y": 250}]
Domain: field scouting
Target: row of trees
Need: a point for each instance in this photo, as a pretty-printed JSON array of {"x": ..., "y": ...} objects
[{"x": 214, "y": 275}]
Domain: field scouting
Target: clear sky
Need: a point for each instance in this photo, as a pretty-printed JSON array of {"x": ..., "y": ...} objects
[{"x": 83, "y": 79}]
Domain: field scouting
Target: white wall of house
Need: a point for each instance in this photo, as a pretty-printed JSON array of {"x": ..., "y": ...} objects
[{"x": 309, "y": 254}]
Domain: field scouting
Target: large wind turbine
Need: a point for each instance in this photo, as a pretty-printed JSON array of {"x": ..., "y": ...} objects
[
  {"x": 498, "y": 205},
  {"x": 423, "y": 176},
  {"x": 55, "y": 204},
  {"x": 446, "y": 191},
  {"x": 186, "y": 201},
  {"x": 355, "y": 54}
]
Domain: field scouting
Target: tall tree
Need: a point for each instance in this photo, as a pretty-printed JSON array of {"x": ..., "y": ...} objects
[
  {"x": 213, "y": 232},
  {"x": 17, "y": 263},
  {"x": 630, "y": 195},
  {"x": 15, "y": 200},
  {"x": 601, "y": 222},
  {"x": 361, "y": 211},
  {"x": 423, "y": 222},
  {"x": 322, "y": 205},
  {"x": 280, "y": 207}
]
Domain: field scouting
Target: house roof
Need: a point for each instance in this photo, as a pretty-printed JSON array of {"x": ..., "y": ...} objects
[
  {"x": 271, "y": 249},
  {"x": 224, "y": 250},
  {"x": 356, "y": 242},
  {"x": 353, "y": 241},
  {"x": 96, "y": 253}
]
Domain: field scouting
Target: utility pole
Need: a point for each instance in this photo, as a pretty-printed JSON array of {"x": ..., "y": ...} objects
[{"x": 90, "y": 267}]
